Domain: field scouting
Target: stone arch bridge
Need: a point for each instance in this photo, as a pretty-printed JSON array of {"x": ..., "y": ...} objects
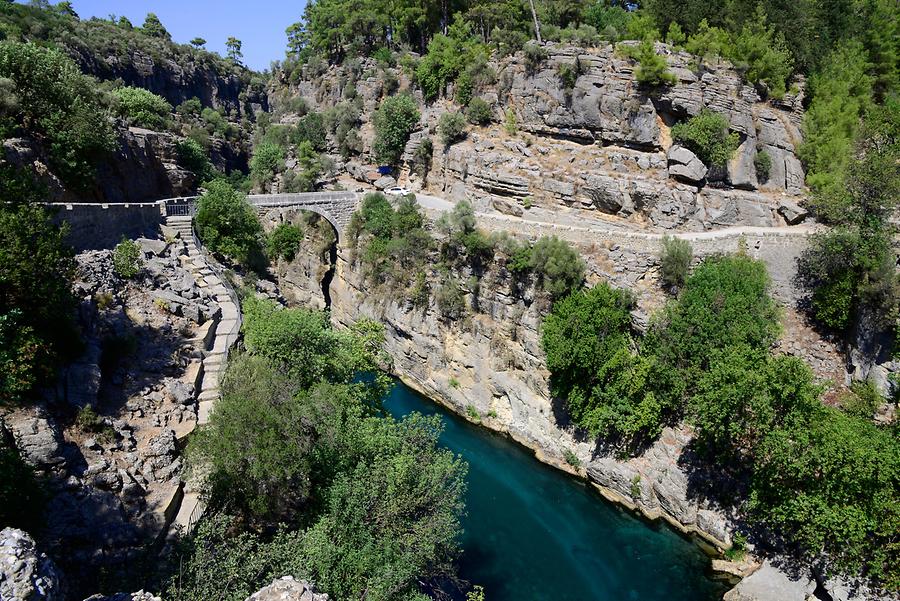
[{"x": 336, "y": 207}]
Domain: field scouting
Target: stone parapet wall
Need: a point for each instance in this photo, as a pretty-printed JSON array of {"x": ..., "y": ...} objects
[{"x": 98, "y": 226}]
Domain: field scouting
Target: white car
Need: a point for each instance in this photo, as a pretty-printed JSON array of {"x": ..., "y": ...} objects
[{"x": 397, "y": 191}]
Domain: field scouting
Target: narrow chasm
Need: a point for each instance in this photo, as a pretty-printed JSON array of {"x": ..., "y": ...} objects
[{"x": 329, "y": 274}]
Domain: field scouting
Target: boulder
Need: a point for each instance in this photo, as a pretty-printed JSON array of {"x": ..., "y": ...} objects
[
  {"x": 769, "y": 583},
  {"x": 25, "y": 573},
  {"x": 741, "y": 168},
  {"x": 792, "y": 212},
  {"x": 506, "y": 207},
  {"x": 685, "y": 165},
  {"x": 287, "y": 589},
  {"x": 384, "y": 182},
  {"x": 38, "y": 439}
]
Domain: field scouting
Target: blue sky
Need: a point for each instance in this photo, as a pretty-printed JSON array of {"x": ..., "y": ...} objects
[{"x": 259, "y": 24}]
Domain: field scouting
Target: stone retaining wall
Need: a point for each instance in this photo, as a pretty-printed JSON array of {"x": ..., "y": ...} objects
[{"x": 98, "y": 226}]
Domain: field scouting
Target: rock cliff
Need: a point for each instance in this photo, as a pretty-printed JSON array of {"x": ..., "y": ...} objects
[{"x": 602, "y": 145}]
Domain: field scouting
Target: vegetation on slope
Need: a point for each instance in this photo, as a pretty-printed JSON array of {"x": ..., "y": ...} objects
[
  {"x": 305, "y": 476},
  {"x": 828, "y": 481},
  {"x": 397, "y": 247}
]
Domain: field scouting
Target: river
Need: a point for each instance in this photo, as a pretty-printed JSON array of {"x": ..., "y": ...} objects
[{"x": 533, "y": 533}]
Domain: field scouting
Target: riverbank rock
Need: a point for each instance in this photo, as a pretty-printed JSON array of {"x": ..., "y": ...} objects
[
  {"x": 25, "y": 573},
  {"x": 287, "y": 589},
  {"x": 769, "y": 583}
]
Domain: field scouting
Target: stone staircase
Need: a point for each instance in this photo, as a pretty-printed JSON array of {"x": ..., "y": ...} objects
[{"x": 215, "y": 339}]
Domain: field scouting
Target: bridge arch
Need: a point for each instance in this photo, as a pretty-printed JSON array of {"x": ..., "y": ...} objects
[{"x": 336, "y": 207}]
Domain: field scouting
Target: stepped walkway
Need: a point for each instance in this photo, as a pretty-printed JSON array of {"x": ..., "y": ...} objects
[{"x": 214, "y": 341}]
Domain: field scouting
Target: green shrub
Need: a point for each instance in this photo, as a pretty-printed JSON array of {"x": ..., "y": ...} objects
[
  {"x": 422, "y": 157},
  {"x": 464, "y": 242},
  {"x": 557, "y": 267},
  {"x": 396, "y": 242},
  {"x": 674, "y": 261},
  {"x": 738, "y": 549},
  {"x": 193, "y": 156},
  {"x": 143, "y": 108},
  {"x": 227, "y": 224},
  {"x": 568, "y": 75},
  {"x": 571, "y": 458},
  {"x": 310, "y": 128},
  {"x": 36, "y": 302},
  {"x": 535, "y": 55},
  {"x": 395, "y": 120},
  {"x": 25, "y": 358},
  {"x": 479, "y": 112},
  {"x": 420, "y": 291},
  {"x": 762, "y": 162},
  {"x": 763, "y": 53},
  {"x": 724, "y": 304},
  {"x": 303, "y": 344},
  {"x": 509, "y": 122},
  {"x": 284, "y": 241},
  {"x": 450, "y": 300},
  {"x": 471, "y": 411},
  {"x": 452, "y": 128},
  {"x": 707, "y": 135},
  {"x": 127, "y": 259},
  {"x": 416, "y": 489},
  {"x": 266, "y": 162},
  {"x": 863, "y": 400},
  {"x": 601, "y": 381},
  {"x": 49, "y": 98},
  {"x": 653, "y": 70},
  {"x": 827, "y": 480}
]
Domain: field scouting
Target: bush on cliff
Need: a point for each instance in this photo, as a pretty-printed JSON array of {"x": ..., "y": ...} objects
[
  {"x": 227, "y": 224},
  {"x": 594, "y": 369},
  {"x": 21, "y": 494},
  {"x": 674, "y": 262},
  {"x": 303, "y": 344},
  {"x": 143, "y": 108},
  {"x": 284, "y": 241},
  {"x": 557, "y": 267},
  {"x": 394, "y": 243},
  {"x": 725, "y": 304},
  {"x": 707, "y": 135},
  {"x": 45, "y": 96},
  {"x": 395, "y": 120}
]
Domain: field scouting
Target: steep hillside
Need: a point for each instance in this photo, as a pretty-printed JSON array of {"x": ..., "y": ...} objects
[{"x": 604, "y": 143}]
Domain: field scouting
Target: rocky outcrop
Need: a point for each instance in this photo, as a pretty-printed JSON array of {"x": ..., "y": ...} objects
[
  {"x": 769, "y": 583},
  {"x": 603, "y": 145},
  {"x": 144, "y": 167},
  {"x": 287, "y": 589},
  {"x": 114, "y": 473},
  {"x": 27, "y": 574}
]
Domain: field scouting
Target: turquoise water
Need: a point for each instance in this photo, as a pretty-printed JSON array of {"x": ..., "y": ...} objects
[{"x": 535, "y": 533}]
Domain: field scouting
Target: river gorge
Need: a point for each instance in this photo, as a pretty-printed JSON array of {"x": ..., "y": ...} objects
[{"x": 533, "y": 532}]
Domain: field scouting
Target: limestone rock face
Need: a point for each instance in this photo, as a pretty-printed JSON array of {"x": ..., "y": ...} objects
[
  {"x": 685, "y": 165},
  {"x": 768, "y": 583},
  {"x": 144, "y": 167},
  {"x": 26, "y": 574},
  {"x": 38, "y": 438},
  {"x": 287, "y": 589}
]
